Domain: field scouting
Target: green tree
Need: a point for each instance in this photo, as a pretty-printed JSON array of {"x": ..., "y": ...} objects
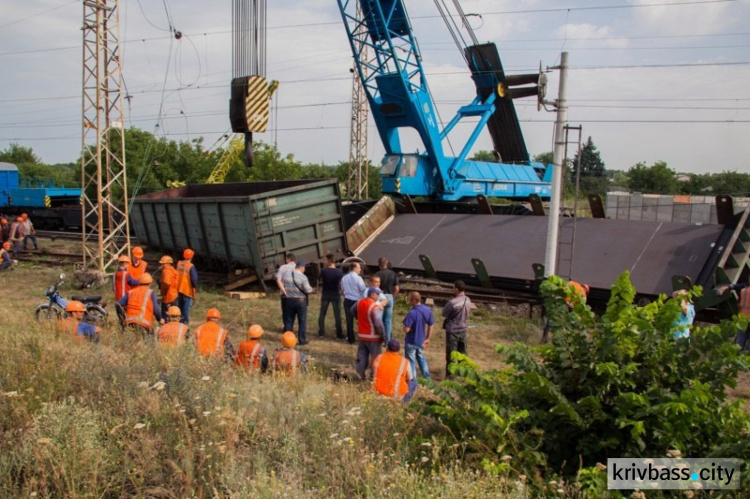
[
  {"x": 19, "y": 155},
  {"x": 591, "y": 161},
  {"x": 488, "y": 156},
  {"x": 374, "y": 184},
  {"x": 655, "y": 179},
  {"x": 730, "y": 182}
]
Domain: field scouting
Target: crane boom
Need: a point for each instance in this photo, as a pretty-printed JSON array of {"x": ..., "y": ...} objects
[{"x": 399, "y": 97}]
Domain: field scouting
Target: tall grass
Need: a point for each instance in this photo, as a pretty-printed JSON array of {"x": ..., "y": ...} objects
[{"x": 125, "y": 418}]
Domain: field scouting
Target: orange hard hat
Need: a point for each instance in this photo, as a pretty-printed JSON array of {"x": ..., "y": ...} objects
[
  {"x": 188, "y": 254},
  {"x": 123, "y": 259},
  {"x": 146, "y": 279},
  {"x": 6, "y": 245},
  {"x": 174, "y": 311},
  {"x": 75, "y": 306},
  {"x": 289, "y": 339},
  {"x": 213, "y": 313},
  {"x": 19, "y": 219},
  {"x": 3, "y": 221},
  {"x": 166, "y": 259},
  {"x": 24, "y": 215},
  {"x": 255, "y": 331},
  {"x": 137, "y": 252}
]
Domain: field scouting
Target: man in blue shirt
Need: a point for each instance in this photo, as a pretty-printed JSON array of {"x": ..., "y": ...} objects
[
  {"x": 687, "y": 314},
  {"x": 352, "y": 287},
  {"x": 331, "y": 277},
  {"x": 418, "y": 325}
]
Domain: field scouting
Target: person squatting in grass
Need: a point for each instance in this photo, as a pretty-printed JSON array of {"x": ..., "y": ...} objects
[
  {"x": 392, "y": 376},
  {"x": 5, "y": 260},
  {"x": 141, "y": 306},
  {"x": 250, "y": 353},
  {"x": 173, "y": 333},
  {"x": 418, "y": 325},
  {"x": 288, "y": 360},
  {"x": 75, "y": 326},
  {"x": 370, "y": 331},
  {"x": 211, "y": 339}
]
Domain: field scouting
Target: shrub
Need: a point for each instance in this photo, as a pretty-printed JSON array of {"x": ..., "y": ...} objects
[{"x": 616, "y": 386}]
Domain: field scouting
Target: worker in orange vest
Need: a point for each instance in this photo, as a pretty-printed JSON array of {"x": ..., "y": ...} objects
[
  {"x": 74, "y": 325},
  {"x": 123, "y": 281},
  {"x": 4, "y": 229},
  {"x": 5, "y": 260},
  {"x": 392, "y": 374},
  {"x": 212, "y": 339},
  {"x": 370, "y": 330},
  {"x": 138, "y": 265},
  {"x": 743, "y": 308},
  {"x": 167, "y": 283},
  {"x": 580, "y": 294},
  {"x": 250, "y": 353},
  {"x": 187, "y": 283},
  {"x": 141, "y": 306},
  {"x": 173, "y": 333},
  {"x": 287, "y": 359}
]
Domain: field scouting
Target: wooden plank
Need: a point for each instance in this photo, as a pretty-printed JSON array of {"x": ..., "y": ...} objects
[
  {"x": 240, "y": 282},
  {"x": 240, "y": 295}
]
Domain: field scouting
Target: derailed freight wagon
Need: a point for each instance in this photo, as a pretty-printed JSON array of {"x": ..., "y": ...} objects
[{"x": 249, "y": 225}]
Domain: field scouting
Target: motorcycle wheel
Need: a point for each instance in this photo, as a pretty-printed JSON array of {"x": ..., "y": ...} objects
[{"x": 46, "y": 313}]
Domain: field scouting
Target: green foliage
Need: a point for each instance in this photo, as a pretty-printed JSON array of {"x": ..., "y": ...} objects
[
  {"x": 620, "y": 385},
  {"x": 488, "y": 156},
  {"x": 655, "y": 179},
  {"x": 18, "y": 155}
]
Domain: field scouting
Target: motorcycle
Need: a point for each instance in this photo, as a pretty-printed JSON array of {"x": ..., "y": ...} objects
[{"x": 54, "y": 308}]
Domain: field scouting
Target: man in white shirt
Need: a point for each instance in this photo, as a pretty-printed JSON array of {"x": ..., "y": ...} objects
[
  {"x": 353, "y": 288},
  {"x": 283, "y": 270}
]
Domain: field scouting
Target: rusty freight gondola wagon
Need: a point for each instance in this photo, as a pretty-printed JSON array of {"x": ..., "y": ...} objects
[{"x": 249, "y": 225}]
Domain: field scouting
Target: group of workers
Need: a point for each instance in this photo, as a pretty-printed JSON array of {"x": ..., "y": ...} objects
[
  {"x": 13, "y": 235},
  {"x": 370, "y": 307}
]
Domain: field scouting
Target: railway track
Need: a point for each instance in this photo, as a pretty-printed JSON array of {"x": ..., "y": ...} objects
[{"x": 67, "y": 235}]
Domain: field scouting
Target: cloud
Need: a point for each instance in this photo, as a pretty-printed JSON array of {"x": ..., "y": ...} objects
[
  {"x": 700, "y": 19},
  {"x": 590, "y": 34}
]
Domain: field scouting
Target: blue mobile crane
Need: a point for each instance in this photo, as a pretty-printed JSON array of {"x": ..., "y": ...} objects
[{"x": 389, "y": 65}]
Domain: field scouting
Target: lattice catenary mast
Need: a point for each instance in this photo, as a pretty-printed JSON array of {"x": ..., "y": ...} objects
[
  {"x": 106, "y": 235},
  {"x": 357, "y": 171}
]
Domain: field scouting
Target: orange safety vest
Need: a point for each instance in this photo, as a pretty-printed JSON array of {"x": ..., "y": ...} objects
[
  {"x": 184, "y": 285},
  {"x": 389, "y": 375},
  {"x": 286, "y": 360},
  {"x": 136, "y": 271},
  {"x": 744, "y": 303},
  {"x": 70, "y": 326},
  {"x": 249, "y": 354},
  {"x": 121, "y": 283},
  {"x": 365, "y": 328},
  {"x": 173, "y": 334},
  {"x": 168, "y": 284},
  {"x": 210, "y": 337},
  {"x": 140, "y": 308}
]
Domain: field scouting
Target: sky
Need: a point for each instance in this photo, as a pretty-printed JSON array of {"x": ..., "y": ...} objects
[{"x": 650, "y": 80}]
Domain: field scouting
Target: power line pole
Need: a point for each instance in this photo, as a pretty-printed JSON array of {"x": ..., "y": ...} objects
[
  {"x": 358, "y": 169},
  {"x": 106, "y": 234},
  {"x": 558, "y": 155}
]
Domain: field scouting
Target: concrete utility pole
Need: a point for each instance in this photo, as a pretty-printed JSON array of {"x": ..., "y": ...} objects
[
  {"x": 558, "y": 157},
  {"x": 105, "y": 230},
  {"x": 357, "y": 172}
]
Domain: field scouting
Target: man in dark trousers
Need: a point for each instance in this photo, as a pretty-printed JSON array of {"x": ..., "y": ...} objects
[
  {"x": 456, "y": 313},
  {"x": 370, "y": 331},
  {"x": 389, "y": 286},
  {"x": 296, "y": 289},
  {"x": 331, "y": 277}
]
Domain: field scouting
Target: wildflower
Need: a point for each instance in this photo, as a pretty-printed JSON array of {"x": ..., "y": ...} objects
[
  {"x": 424, "y": 459},
  {"x": 206, "y": 378},
  {"x": 560, "y": 491},
  {"x": 553, "y": 483},
  {"x": 396, "y": 434},
  {"x": 426, "y": 444},
  {"x": 139, "y": 426},
  {"x": 506, "y": 458},
  {"x": 522, "y": 478},
  {"x": 159, "y": 385},
  {"x": 206, "y": 413},
  {"x": 333, "y": 435},
  {"x": 44, "y": 441}
]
